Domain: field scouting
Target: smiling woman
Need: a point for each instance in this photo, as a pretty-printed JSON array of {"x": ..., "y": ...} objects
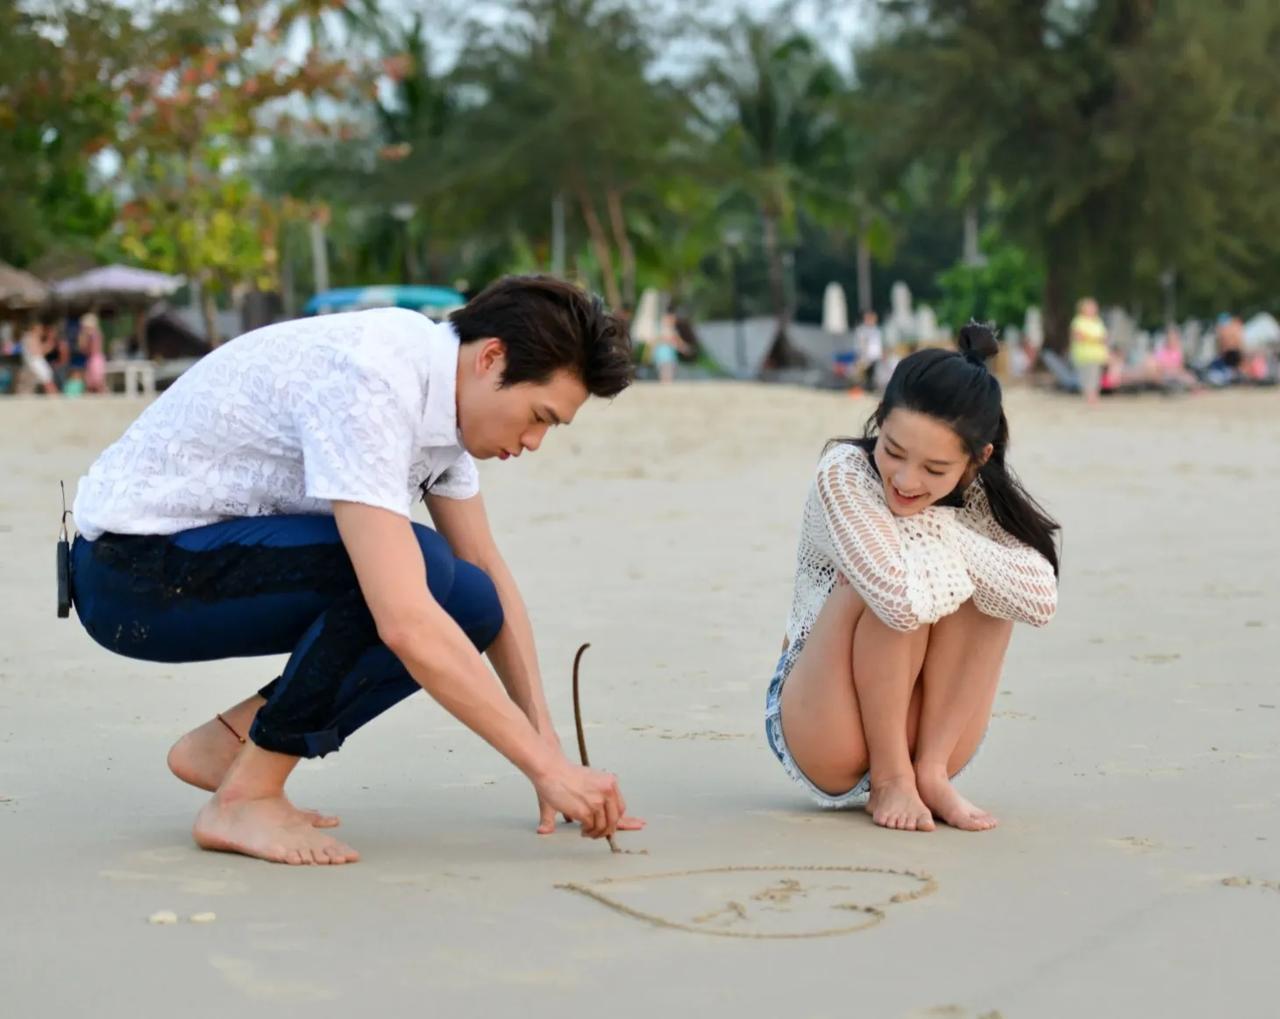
[{"x": 918, "y": 551}]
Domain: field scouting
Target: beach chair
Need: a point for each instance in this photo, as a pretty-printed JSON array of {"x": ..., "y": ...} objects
[{"x": 1064, "y": 375}]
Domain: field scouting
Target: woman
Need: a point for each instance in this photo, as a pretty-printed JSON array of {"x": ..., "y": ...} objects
[
  {"x": 919, "y": 549},
  {"x": 1089, "y": 351},
  {"x": 92, "y": 347}
]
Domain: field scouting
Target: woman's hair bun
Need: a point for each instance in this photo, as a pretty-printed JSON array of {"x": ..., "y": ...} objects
[{"x": 978, "y": 342}]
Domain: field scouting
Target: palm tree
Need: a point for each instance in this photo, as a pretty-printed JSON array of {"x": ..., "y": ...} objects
[{"x": 772, "y": 93}]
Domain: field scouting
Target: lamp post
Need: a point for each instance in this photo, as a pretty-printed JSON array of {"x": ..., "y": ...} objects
[{"x": 733, "y": 238}]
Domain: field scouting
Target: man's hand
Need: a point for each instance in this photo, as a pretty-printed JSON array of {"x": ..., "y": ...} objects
[
  {"x": 546, "y": 812},
  {"x": 591, "y": 798}
]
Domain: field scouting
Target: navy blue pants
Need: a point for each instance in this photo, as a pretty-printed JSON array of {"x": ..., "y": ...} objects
[{"x": 267, "y": 586}]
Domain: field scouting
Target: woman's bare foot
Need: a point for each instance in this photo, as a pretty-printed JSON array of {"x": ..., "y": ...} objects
[
  {"x": 941, "y": 797},
  {"x": 896, "y": 804},
  {"x": 201, "y": 758},
  {"x": 270, "y": 829}
]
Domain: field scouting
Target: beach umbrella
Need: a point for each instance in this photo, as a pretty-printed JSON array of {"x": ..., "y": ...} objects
[
  {"x": 646, "y": 324},
  {"x": 835, "y": 309},
  {"x": 115, "y": 284},
  {"x": 20, "y": 290},
  {"x": 426, "y": 299}
]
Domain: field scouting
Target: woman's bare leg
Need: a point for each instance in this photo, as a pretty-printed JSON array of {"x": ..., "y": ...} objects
[
  {"x": 819, "y": 708},
  {"x": 886, "y": 665},
  {"x": 961, "y": 674}
]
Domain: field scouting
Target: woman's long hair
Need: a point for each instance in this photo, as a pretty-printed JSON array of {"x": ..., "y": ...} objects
[{"x": 956, "y": 388}]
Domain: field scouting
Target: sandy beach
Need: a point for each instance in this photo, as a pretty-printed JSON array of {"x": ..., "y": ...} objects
[{"x": 1134, "y": 757}]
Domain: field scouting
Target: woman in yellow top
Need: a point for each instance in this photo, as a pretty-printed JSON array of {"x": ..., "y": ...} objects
[{"x": 1089, "y": 351}]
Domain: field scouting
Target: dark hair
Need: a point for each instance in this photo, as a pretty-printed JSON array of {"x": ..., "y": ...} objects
[
  {"x": 547, "y": 325},
  {"x": 956, "y": 388}
]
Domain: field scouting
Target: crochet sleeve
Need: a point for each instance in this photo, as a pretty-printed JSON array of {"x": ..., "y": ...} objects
[
  {"x": 1010, "y": 580},
  {"x": 904, "y": 569}
]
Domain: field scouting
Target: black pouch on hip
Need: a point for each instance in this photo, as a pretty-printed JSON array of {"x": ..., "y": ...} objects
[{"x": 64, "y": 561}]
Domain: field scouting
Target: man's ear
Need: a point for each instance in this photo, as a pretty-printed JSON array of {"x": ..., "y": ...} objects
[{"x": 490, "y": 354}]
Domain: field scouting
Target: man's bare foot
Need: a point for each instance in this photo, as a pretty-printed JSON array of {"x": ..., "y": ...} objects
[
  {"x": 941, "y": 797},
  {"x": 271, "y": 829},
  {"x": 201, "y": 758},
  {"x": 896, "y": 804}
]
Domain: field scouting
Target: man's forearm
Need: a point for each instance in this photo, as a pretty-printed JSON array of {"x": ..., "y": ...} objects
[
  {"x": 442, "y": 660},
  {"x": 514, "y": 655}
]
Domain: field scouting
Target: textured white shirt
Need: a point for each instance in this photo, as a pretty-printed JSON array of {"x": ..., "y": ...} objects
[
  {"x": 910, "y": 570},
  {"x": 359, "y": 407}
]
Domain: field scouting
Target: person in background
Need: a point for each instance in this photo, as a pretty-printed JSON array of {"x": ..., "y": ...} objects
[
  {"x": 92, "y": 347},
  {"x": 1089, "y": 353},
  {"x": 35, "y": 358},
  {"x": 668, "y": 346},
  {"x": 868, "y": 342}
]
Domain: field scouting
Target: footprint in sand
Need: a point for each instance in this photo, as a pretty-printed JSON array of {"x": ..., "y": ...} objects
[
  {"x": 1235, "y": 881},
  {"x": 1134, "y": 844},
  {"x": 760, "y": 902},
  {"x": 706, "y": 734}
]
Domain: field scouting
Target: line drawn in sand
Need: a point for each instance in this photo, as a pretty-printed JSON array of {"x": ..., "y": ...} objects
[{"x": 775, "y": 897}]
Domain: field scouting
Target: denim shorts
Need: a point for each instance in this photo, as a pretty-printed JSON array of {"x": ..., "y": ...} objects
[{"x": 855, "y": 797}]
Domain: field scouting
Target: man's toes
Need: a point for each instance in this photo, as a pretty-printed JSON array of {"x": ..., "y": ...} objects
[{"x": 293, "y": 857}]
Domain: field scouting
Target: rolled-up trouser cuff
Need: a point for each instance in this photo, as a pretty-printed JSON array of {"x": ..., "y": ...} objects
[{"x": 304, "y": 744}]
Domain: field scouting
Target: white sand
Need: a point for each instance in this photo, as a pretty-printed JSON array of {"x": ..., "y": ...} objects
[{"x": 1133, "y": 759}]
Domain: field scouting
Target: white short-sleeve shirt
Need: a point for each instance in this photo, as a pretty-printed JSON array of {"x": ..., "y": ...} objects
[{"x": 359, "y": 407}]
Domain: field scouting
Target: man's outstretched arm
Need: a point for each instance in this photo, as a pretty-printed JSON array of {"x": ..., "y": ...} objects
[
  {"x": 464, "y": 524},
  {"x": 392, "y": 575}
]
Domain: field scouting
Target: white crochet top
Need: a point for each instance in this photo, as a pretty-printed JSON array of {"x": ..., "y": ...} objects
[{"x": 910, "y": 570}]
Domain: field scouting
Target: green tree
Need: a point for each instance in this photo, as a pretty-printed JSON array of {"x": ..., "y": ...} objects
[
  {"x": 773, "y": 92},
  {"x": 58, "y": 108},
  {"x": 1122, "y": 135},
  {"x": 568, "y": 107},
  {"x": 997, "y": 288}
]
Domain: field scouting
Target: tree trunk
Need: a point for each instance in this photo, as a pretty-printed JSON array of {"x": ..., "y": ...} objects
[
  {"x": 864, "y": 274},
  {"x": 781, "y": 355},
  {"x": 972, "y": 253},
  {"x": 626, "y": 253},
  {"x": 319, "y": 257},
  {"x": 209, "y": 311},
  {"x": 600, "y": 244},
  {"x": 1057, "y": 291}
]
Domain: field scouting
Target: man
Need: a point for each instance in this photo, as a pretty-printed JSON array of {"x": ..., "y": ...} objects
[
  {"x": 261, "y": 506},
  {"x": 868, "y": 342}
]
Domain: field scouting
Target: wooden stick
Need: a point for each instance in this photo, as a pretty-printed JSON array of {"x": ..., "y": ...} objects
[{"x": 577, "y": 719}]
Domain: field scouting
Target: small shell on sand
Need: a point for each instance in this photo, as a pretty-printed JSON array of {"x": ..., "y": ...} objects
[
  {"x": 164, "y": 916},
  {"x": 203, "y": 917}
]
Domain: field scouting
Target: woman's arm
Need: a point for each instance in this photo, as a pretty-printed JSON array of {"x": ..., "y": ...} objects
[
  {"x": 1010, "y": 580},
  {"x": 902, "y": 567}
]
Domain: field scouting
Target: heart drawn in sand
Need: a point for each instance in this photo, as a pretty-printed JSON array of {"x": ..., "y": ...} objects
[{"x": 760, "y": 902}]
